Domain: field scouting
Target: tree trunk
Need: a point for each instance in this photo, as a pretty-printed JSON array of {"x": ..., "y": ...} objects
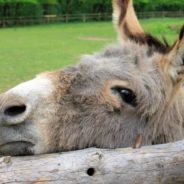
[{"x": 160, "y": 164}]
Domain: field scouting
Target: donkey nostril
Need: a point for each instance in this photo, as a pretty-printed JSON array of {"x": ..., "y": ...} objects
[{"x": 15, "y": 110}]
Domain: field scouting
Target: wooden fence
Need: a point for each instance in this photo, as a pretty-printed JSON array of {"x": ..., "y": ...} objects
[
  {"x": 159, "y": 164},
  {"x": 15, "y": 21},
  {"x": 160, "y": 14}
]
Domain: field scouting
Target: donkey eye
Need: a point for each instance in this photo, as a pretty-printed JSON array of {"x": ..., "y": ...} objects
[{"x": 127, "y": 95}]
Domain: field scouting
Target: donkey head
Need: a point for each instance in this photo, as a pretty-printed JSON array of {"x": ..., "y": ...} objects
[{"x": 108, "y": 99}]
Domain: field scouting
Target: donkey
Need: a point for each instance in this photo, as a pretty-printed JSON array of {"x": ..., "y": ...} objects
[{"x": 128, "y": 89}]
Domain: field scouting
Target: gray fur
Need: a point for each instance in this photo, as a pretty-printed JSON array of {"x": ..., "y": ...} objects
[{"x": 95, "y": 123}]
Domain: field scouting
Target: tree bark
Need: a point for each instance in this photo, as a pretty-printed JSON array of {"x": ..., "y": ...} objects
[{"x": 160, "y": 164}]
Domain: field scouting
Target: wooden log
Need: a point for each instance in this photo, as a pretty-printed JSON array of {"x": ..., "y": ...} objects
[{"x": 160, "y": 164}]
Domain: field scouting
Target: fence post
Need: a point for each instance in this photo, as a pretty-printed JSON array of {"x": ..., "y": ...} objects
[
  {"x": 99, "y": 16},
  {"x": 84, "y": 17},
  {"x": 4, "y": 22},
  {"x": 66, "y": 18}
]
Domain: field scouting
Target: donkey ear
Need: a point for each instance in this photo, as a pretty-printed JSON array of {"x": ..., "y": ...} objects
[
  {"x": 174, "y": 61},
  {"x": 125, "y": 20}
]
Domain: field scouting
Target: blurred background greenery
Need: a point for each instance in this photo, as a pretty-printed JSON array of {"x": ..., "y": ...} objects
[{"x": 37, "y": 8}]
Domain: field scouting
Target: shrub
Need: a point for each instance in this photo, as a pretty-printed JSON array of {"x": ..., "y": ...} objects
[
  {"x": 49, "y": 7},
  {"x": 20, "y": 8},
  {"x": 28, "y": 8}
]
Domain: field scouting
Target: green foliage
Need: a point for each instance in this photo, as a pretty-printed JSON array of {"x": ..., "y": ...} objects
[
  {"x": 27, "y": 8},
  {"x": 36, "y": 8},
  {"x": 18, "y": 8},
  {"x": 85, "y": 6},
  {"x": 49, "y": 6},
  {"x": 159, "y": 5},
  {"x": 101, "y": 6}
]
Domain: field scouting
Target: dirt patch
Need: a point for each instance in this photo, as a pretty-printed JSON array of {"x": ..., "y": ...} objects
[
  {"x": 100, "y": 39},
  {"x": 174, "y": 27}
]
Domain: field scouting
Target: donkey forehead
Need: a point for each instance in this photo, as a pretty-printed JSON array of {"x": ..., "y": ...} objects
[{"x": 121, "y": 61}]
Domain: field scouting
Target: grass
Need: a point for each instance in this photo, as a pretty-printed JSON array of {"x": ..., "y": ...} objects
[{"x": 26, "y": 51}]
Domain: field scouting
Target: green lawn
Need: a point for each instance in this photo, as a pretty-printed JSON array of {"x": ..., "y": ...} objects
[{"x": 26, "y": 51}]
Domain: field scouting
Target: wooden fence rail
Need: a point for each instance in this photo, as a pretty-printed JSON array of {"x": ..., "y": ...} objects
[
  {"x": 15, "y": 21},
  {"x": 160, "y": 14},
  {"x": 159, "y": 164}
]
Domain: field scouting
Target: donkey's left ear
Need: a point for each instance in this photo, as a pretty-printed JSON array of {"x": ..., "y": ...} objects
[
  {"x": 174, "y": 60},
  {"x": 125, "y": 20}
]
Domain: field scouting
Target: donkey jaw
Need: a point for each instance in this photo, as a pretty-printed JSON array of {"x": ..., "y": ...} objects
[{"x": 17, "y": 148}]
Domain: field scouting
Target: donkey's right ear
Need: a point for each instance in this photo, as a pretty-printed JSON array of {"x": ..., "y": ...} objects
[
  {"x": 173, "y": 62},
  {"x": 125, "y": 20}
]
